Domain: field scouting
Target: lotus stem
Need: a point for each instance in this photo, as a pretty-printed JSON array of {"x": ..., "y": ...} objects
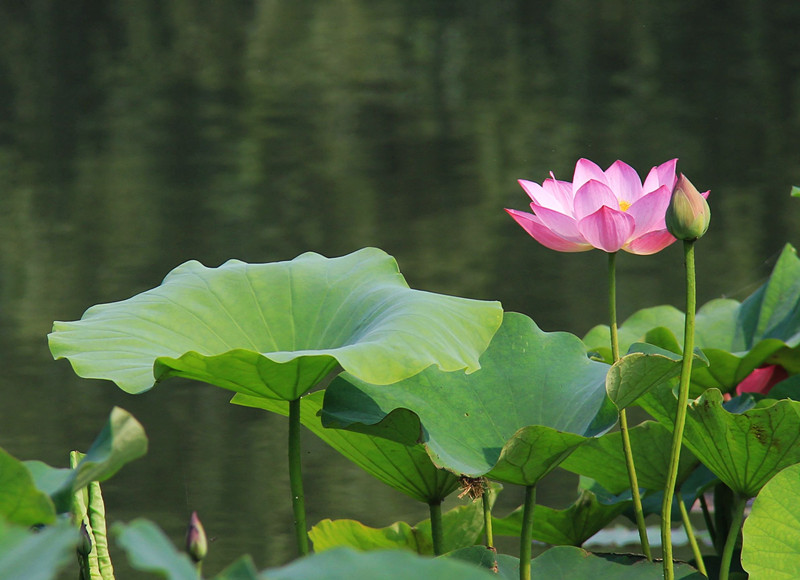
[
  {"x": 296, "y": 478},
  {"x": 733, "y": 534},
  {"x": 437, "y": 531},
  {"x": 687, "y": 525},
  {"x": 623, "y": 416},
  {"x": 526, "y": 536},
  {"x": 487, "y": 519},
  {"x": 680, "y": 416},
  {"x": 707, "y": 518}
]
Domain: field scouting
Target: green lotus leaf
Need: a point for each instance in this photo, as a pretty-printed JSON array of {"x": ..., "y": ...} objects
[
  {"x": 484, "y": 557},
  {"x": 121, "y": 441},
  {"x": 568, "y": 563},
  {"x": 602, "y": 459},
  {"x": 744, "y": 450},
  {"x": 406, "y": 468},
  {"x": 276, "y": 330},
  {"x": 346, "y": 564},
  {"x": 571, "y": 526},
  {"x": 771, "y": 533},
  {"x": 150, "y": 550},
  {"x": 536, "y": 397},
  {"x": 736, "y": 338},
  {"x": 27, "y": 554},
  {"x": 21, "y": 502},
  {"x": 461, "y": 527}
]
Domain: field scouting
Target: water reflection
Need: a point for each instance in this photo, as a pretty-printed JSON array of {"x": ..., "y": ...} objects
[{"x": 136, "y": 136}]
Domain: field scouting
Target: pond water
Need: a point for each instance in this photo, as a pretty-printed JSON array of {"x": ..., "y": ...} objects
[{"x": 137, "y": 135}]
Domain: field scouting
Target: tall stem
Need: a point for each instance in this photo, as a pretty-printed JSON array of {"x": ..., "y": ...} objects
[
  {"x": 687, "y": 525},
  {"x": 437, "y": 532},
  {"x": 296, "y": 478},
  {"x": 680, "y": 416},
  {"x": 526, "y": 537},
  {"x": 487, "y": 519},
  {"x": 733, "y": 534},
  {"x": 623, "y": 416}
]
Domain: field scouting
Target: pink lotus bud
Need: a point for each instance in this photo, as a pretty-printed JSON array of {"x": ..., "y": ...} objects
[
  {"x": 196, "y": 542},
  {"x": 688, "y": 214}
]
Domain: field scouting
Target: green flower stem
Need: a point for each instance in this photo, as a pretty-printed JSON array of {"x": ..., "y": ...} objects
[
  {"x": 707, "y": 518},
  {"x": 687, "y": 524},
  {"x": 487, "y": 519},
  {"x": 680, "y": 418},
  {"x": 737, "y": 516},
  {"x": 623, "y": 417},
  {"x": 437, "y": 531},
  {"x": 526, "y": 537},
  {"x": 296, "y": 478}
]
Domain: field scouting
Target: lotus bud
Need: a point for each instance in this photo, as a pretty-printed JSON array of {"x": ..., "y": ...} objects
[
  {"x": 196, "y": 542},
  {"x": 688, "y": 214},
  {"x": 84, "y": 546}
]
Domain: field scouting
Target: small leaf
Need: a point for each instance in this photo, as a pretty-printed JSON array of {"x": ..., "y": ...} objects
[
  {"x": 25, "y": 554},
  {"x": 770, "y": 537},
  {"x": 20, "y": 500},
  {"x": 277, "y": 330},
  {"x": 150, "y": 550},
  {"x": 795, "y": 191}
]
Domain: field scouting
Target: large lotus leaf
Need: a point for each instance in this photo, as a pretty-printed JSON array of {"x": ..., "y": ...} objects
[
  {"x": 536, "y": 397},
  {"x": 744, "y": 450},
  {"x": 571, "y": 526},
  {"x": 487, "y": 558},
  {"x": 407, "y": 468},
  {"x": 29, "y": 555},
  {"x": 346, "y": 564},
  {"x": 150, "y": 550},
  {"x": 276, "y": 330},
  {"x": 602, "y": 458},
  {"x": 122, "y": 440},
  {"x": 21, "y": 502},
  {"x": 771, "y": 533},
  {"x": 736, "y": 338},
  {"x": 568, "y": 563}
]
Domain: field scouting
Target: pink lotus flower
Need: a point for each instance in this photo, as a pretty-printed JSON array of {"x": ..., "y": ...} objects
[
  {"x": 610, "y": 210},
  {"x": 762, "y": 379}
]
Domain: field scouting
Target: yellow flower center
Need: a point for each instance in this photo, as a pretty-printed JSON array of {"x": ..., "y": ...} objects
[{"x": 624, "y": 205}]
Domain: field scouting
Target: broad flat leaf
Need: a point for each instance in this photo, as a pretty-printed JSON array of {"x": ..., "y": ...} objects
[
  {"x": 276, "y": 330},
  {"x": 21, "y": 502},
  {"x": 536, "y": 397},
  {"x": 121, "y": 441},
  {"x": 347, "y": 564},
  {"x": 771, "y": 533},
  {"x": 406, "y": 468},
  {"x": 602, "y": 458},
  {"x": 568, "y": 563},
  {"x": 571, "y": 526},
  {"x": 241, "y": 569},
  {"x": 736, "y": 338},
  {"x": 28, "y": 555},
  {"x": 744, "y": 450},
  {"x": 482, "y": 557},
  {"x": 150, "y": 550}
]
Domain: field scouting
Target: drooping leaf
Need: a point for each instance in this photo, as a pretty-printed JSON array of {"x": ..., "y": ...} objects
[
  {"x": 21, "y": 502},
  {"x": 347, "y": 564},
  {"x": 536, "y": 398},
  {"x": 150, "y": 550},
  {"x": 571, "y": 526},
  {"x": 771, "y": 533},
  {"x": 25, "y": 554},
  {"x": 406, "y": 468},
  {"x": 744, "y": 450},
  {"x": 568, "y": 563},
  {"x": 277, "y": 330},
  {"x": 122, "y": 440}
]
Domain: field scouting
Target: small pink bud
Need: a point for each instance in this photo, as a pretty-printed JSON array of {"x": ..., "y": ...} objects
[
  {"x": 196, "y": 542},
  {"x": 688, "y": 214}
]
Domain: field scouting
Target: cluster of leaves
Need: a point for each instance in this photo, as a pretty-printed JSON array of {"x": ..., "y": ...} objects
[{"x": 385, "y": 362}]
